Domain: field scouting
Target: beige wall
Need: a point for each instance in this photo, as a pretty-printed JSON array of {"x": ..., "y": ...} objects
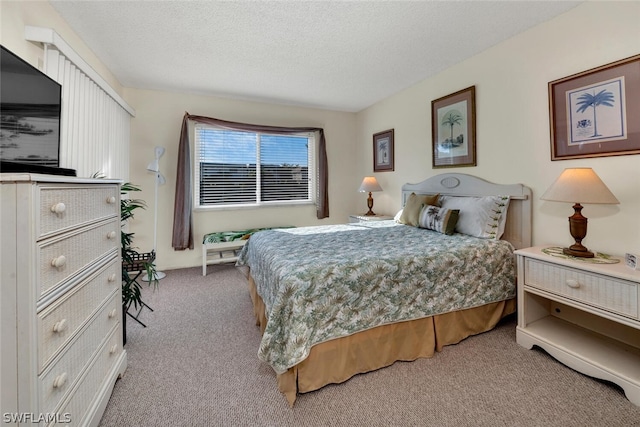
[
  {"x": 512, "y": 129},
  {"x": 513, "y": 123},
  {"x": 15, "y": 15},
  {"x": 157, "y": 123}
]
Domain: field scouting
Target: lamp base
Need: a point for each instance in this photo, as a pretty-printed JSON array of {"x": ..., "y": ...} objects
[
  {"x": 370, "y": 205},
  {"x": 578, "y": 230},
  {"x": 578, "y": 251}
]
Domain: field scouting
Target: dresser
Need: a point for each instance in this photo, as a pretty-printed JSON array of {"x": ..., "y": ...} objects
[
  {"x": 584, "y": 314},
  {"x": 61, "y": 298}
]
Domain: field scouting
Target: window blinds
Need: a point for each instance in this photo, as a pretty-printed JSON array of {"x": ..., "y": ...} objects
[{"x": 95, "y": 122}]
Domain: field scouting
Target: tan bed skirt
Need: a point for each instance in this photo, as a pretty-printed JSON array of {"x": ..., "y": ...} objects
[{"x": 338, "y": 360}]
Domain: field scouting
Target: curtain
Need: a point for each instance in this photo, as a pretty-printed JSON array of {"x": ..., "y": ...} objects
[{"x": 182, "y": 214}]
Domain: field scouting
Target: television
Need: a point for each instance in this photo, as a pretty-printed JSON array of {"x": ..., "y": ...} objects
[{"x": 29, "y": 118}]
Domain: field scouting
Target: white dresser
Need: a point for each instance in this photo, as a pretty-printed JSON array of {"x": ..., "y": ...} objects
[
  {"x": 61, "y": 298},
  {"x": 585, "y": 315}
]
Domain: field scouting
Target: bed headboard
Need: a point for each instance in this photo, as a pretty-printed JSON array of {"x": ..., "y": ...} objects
[{"x": 518, "y": 227}]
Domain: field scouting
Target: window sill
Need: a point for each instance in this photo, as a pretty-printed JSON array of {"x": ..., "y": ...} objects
[{"x": 253, "y": 206}]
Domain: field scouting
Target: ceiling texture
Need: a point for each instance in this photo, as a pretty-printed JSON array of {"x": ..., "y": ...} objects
[{"x": 335, "y": 55}]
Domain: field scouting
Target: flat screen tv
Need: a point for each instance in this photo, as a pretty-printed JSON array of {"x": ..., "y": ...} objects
[{"x": 29, "y": 118}]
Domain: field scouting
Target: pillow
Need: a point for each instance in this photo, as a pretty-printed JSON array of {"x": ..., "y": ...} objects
[
  {"x": 483, "y": 217},
  {"x": 414, "y": 205},
  {"x": 438, "y": 219},
  {"x": 396, "y": 218}
]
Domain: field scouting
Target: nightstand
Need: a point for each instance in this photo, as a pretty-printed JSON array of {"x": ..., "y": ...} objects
[
  {"x": 366, "y": 218},
  {"x": 583, "y": 314}
]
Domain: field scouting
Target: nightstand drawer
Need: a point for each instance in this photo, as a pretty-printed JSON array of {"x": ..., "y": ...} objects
[{"x": 615, "y": 295}]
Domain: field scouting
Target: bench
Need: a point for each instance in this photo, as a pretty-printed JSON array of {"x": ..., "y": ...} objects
[{"x": 224, "y": 246}]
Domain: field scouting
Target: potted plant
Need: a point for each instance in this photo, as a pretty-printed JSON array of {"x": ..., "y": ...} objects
[{"x": 131, "y": 258}]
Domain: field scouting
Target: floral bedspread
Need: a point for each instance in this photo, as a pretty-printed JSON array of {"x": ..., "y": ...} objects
[{"x": 325, "y": 282}]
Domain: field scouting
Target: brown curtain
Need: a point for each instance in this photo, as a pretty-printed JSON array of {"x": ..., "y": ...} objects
[{"x": 182, "y": 213}]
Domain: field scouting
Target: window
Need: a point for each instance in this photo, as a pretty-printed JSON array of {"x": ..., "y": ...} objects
[{"x": 240, "y": 168}]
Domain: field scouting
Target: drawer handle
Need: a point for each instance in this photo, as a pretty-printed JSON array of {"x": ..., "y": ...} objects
[
  {"x": 60, "y": 380},
  {"x": 111, "y": 235},
  {"x": 60, "y": 326},
  {"x": 59, "y": 261},
  {"x": 113, "y": 349},
  {"x": 111, "y": 278},
  {"x": 58, "y": 208},
  {"x": 573, "y": 283},
  {"x": 113, "y": 313},
  {"x": 111, "y": 200}
]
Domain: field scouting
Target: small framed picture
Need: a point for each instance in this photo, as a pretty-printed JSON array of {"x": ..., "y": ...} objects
[
  {"x": 596, "y": 113},
  {"x": 453, "y": 129},
  {"x": 383, "y": 151}
]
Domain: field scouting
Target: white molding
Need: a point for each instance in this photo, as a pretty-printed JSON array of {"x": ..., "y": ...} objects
[{"x": 49, "y": 37}]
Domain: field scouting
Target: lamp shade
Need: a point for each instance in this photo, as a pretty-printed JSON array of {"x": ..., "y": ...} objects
[
  {"x": 154, "y": 166},
  {"x": 579, "y": 185},
  {"x": 369, "y": 184}
]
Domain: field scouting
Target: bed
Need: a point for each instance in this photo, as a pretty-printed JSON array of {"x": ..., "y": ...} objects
[{"x": 338, "y": 300}]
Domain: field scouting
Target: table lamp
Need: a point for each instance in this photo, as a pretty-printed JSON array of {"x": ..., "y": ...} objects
[
  {"x": 579, "y": 185},
  {"x": 369, "y": 184}
]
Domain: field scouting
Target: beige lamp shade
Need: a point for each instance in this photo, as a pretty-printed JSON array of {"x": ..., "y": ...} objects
[
  {"x": 579, "y": 185},
  {"x": 369, "y": 184}
]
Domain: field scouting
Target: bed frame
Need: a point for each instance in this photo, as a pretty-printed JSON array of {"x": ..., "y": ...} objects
[
  {"x": 518, "y": 228},
  {"x": 337, "y": 360}
]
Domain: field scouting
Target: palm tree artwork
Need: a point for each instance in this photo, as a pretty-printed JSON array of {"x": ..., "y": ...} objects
[
  {"x": 383, "y": 151},
  {"x": 593, "y": 100},
  {"x": 451, "y": 118}
]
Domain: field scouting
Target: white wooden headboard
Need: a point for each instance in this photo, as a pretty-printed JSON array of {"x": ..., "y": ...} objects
[{"x": 518, "y": 227}]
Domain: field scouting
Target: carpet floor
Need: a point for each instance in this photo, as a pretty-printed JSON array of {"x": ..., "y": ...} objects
[{"x": 195, "y": 364}]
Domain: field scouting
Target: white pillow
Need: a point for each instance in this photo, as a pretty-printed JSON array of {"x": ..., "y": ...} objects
[
  {"x": 483, "y": 217},
  {"x": 398, "y": 215}
]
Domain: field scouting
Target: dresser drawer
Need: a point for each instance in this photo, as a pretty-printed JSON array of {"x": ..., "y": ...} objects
[
  {"x": 59, "y": 378},
  {"x": 615, "y": 295},
  {"x": 74, "y": 252},
  {"x": 91, "y": 383},
  {"x": 60, "y": 321},
  {"x": 63, "y": 208}
]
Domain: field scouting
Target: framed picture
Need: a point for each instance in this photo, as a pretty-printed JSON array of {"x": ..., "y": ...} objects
[
  {"x": 383, "y": 151},
  {"x": 453, "y": 129},
  {"x": 596, "y": 113}
]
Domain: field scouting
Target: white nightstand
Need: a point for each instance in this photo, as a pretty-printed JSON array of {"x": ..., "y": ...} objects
[
  {"x": 585, "y": 315},
  {"x": 365, "y": 218}
]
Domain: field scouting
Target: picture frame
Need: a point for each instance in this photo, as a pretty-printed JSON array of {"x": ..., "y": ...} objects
[
  {"x": 596, "y": 113},
  {"x": 383, "y": 158},
  {"x": 453, "y": 129}
]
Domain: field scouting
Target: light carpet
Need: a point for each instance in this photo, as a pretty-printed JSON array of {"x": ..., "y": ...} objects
[{"x": 195, "y": 364}]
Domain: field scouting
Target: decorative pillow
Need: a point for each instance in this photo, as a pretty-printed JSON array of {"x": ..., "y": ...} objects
[
  {"x": 483, "y": 217},
  {"x": 438, "y": 219},
  {"x": 414, "y": 205},
  {"x": 396, "y": 218}
]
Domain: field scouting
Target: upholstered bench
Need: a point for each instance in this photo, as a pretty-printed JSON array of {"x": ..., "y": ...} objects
[{"x": 223, "y": 246}]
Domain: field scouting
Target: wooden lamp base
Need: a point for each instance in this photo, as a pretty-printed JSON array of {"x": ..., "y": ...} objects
[
  {"x": 370, "y": 205},
  {"x": 578, "y": 230}
]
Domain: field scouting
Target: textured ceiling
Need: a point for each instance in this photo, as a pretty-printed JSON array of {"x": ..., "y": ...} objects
[{"x": 334, "y": 55}]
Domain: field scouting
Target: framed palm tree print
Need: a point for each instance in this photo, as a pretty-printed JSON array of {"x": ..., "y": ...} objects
[
  {"x": 383, "y": 151},
  {"x": 596, "y": 113},
  {"x": 453, "y": 129}
]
